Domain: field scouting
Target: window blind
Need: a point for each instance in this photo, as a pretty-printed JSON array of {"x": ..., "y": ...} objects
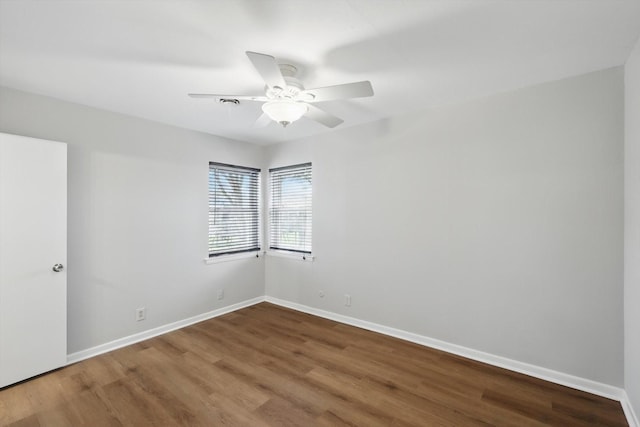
[
  {"x": 290, "y": 208},
  {"x": 234, "y": 209}
]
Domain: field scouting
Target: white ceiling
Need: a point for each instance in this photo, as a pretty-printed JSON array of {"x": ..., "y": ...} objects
[{"x": 141, "y": 57}]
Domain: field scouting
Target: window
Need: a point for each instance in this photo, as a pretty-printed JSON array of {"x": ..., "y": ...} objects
[
  {"x": 290, "y": 208},
  {"x": 234, "y": 209}
]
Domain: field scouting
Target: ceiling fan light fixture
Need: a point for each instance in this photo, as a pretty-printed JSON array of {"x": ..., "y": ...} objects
[
  {"x": 284, "y": 111},
  {"x": 286, "y": 99}
]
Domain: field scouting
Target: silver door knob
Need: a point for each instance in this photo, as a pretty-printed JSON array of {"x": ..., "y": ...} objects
[{"x": 58, "y": 268}]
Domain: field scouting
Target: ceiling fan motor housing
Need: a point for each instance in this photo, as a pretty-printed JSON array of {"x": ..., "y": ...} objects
[{"x": 293, "y": 88}]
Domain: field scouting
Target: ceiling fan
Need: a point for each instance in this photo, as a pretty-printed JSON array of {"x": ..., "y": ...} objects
[{"x": 286, "y": 100}]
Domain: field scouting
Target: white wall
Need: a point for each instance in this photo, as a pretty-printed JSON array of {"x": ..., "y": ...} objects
[
  {"x": 137, "y": 217},
  {"x": 632, "y": 230},
  {"x": 495, "y": 225}
]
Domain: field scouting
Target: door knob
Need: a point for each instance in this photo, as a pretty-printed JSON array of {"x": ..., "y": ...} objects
[{"x": 58, "y": 268}]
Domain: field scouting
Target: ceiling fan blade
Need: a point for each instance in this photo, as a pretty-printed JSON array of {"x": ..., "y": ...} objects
[
  {"x": 262, "y": 121},
  {"x": 321, "y": 116},
  {"x": 268, "y": 69},
  {"x": 344, "y": 91},
  {"x": 239, "y": 97}
]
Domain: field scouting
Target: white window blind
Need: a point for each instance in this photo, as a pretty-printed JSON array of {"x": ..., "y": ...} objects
[
  {"x": 290, "y": 208},
  {"x": 234, "y": 209}
]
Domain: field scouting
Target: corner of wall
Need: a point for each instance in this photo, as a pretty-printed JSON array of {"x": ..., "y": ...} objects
[{"x": 632, "y": 234}]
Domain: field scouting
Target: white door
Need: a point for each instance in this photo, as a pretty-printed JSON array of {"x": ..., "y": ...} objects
[{"x": 33, "y": 239}]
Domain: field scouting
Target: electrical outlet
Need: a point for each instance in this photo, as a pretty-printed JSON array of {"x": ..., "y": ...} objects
[
  {"x": 140, "y": 314},
  {"x": 220, "y": 294},
  {"x": 347, "y": 300}
]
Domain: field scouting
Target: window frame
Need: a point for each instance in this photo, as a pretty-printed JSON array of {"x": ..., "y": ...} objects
[
  {"x": 277, "y": 246},
  {"x": 254, "y": 197}
]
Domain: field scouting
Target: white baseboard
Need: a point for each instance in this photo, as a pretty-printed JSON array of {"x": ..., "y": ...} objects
[
  {"x": 632, "y": 418},
  {"x": 132, "y": 339},
  {"x": 561, "y": 378}
]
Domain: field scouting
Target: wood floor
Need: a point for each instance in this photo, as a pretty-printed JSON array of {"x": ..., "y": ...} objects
[{"x": 270, "y": 366}]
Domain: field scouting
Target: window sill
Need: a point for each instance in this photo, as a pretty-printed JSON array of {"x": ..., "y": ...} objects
[
  {"x": 232, "y": 257},
  {"x": 292, "y": 255}
]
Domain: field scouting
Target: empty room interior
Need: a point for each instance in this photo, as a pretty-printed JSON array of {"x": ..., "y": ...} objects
[{"x": 320, "y": 213}]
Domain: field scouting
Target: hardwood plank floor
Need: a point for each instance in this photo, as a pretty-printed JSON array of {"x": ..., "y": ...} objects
[{"x": 270, "y": 366}]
